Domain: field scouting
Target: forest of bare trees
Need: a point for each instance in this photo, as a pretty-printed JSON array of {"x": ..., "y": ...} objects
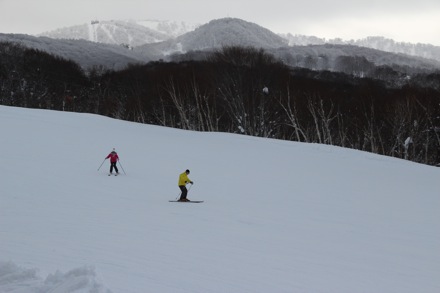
[{"x": 245, "y": 91}]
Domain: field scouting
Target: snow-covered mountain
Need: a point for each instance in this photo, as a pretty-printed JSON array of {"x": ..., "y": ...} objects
[
  {"x": 87, "y": 54},
  {"x": 331, "y": 57},
  {"x": 236, "y": 32},
  {"x": 170, "y": 28},
  {"x": 213, "y": 36},
  {"x": 135, "y": 33},
  {"x": 278, "y": 216},
  {"x": 217, "y": 34},
  {"x": 128, "y": 32},
  {"x": 379, "y": 43}
]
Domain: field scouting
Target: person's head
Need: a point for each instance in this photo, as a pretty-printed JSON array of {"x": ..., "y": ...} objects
[{"x": 187, "y": 171}]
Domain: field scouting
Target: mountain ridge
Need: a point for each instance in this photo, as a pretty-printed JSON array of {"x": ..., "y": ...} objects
[
  {"x": 128, "y": 32},
  {"x": 427, "y": 51},
  {"x": 214, "y": 36},
  {"x": 161, "y": 30}
]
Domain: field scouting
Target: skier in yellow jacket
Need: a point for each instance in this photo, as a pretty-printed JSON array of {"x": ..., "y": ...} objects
[{"x": 183, "y": 180}]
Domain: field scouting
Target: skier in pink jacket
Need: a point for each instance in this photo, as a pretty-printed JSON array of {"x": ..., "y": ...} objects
[{"x": 113, "y": 160}]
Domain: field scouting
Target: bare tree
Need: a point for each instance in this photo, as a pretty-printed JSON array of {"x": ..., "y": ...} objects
[
  {"x": 289, "y": 107},
  {"x": 179, "y": 102},
  {"x": 322, "y": 118}
]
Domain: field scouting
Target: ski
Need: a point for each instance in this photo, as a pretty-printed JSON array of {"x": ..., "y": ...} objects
[{"x": 191, "y": 201}]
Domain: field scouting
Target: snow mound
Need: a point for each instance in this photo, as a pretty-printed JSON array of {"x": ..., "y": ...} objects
[{"x": 15, "y": 279}]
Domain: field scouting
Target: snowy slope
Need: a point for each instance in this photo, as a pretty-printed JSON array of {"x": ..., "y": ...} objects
[
  {"x": 426, "y": 51},
  {"x": 171, "y": 28},
  {"x": 217, "y": 34},
  {"x": 138, "y": 42},
  {"x": 87, "y": 54},
  {"x": 110, "y": 32},
  {"x": 278, "y": 216},
  {"x": 140, "y": 32},
  {"x": 130, "y": 32}
]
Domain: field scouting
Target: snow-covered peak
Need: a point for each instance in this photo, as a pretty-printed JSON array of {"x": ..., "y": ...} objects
[
  {"x": 232, "y": 32},
  {"x": 217, "y": 34},
  {"x": 129, "y": 32}
]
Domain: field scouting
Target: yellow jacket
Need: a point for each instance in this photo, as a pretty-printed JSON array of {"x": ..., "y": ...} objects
[{"x": 183, "y": 179}]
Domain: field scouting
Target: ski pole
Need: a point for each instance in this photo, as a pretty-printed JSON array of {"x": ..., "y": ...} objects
[
  {"x": 101, "y": 164},
  {"x": 121, "y": 167}
]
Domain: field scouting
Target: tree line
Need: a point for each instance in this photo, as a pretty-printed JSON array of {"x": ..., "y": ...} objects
[{"x": 238, "y": 90}]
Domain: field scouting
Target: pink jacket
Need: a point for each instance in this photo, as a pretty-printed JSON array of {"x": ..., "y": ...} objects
[{"x": 113, "y": 157}]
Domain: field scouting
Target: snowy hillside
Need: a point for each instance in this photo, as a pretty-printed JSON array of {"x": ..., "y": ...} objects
[
  {"x": 164, "y": 39},
  {"x": 140, "y": 32},
  {"x": 109, "y": 32},
  {"x": 217, "y": 34},
  {"x": 379, "y": 43},
  {"x": 278, "y": 216},
  {"x": 325, "y": 57},
  {"x": 129, "y": 32},
  {"x": 168, "y": 27},
  {"x": 87, "y": 54}
]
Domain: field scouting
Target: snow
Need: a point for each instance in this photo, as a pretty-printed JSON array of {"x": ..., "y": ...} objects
[{"x": 277, "y": 216}]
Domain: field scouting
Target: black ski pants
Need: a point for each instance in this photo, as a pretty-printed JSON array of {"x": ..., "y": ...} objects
[
  {"x": 113, "y": 165},
  {"x": 184, "y": 191}
]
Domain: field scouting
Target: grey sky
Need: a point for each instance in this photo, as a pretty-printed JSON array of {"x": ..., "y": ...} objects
[{"x": 401, "y": 20}]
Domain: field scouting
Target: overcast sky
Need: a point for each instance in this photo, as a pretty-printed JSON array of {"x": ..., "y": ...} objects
[{"x": 416, "y": 21}]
